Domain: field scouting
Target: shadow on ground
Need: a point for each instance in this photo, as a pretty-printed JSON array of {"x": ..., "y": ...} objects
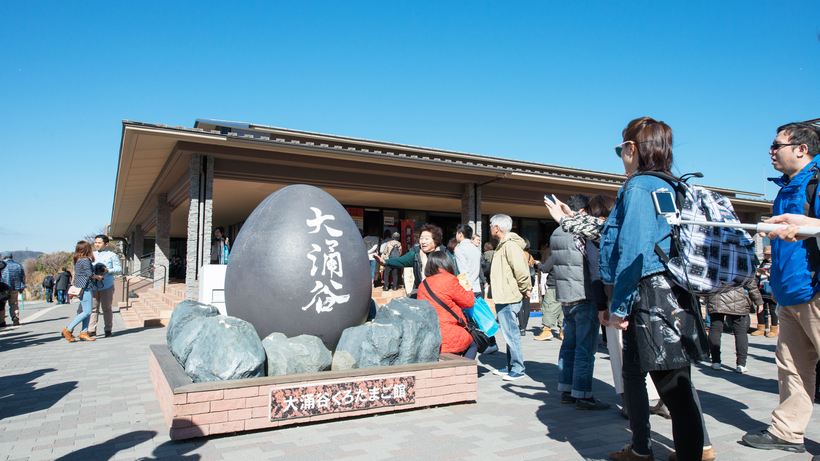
[
  {"x": 109, "y": 449},
  {"x": 18, "y": 395}
]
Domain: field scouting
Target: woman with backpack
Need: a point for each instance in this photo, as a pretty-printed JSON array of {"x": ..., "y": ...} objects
[
  {"x": 391, "y": 249},
  {"x": 732, "y": 307},
  {"x": 660, "y": 323}
]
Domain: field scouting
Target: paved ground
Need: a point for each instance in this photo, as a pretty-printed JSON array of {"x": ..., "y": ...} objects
[{"x": 94, "y": 401}]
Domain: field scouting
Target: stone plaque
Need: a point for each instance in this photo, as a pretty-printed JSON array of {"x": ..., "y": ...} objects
[{"x": 320, "y": 399}]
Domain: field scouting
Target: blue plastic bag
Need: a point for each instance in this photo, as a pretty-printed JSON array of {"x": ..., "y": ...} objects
[{"x": 483, "y": 316}]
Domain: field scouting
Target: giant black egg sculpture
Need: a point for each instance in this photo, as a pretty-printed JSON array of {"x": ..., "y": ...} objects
[{"x": 299, "y": 266}]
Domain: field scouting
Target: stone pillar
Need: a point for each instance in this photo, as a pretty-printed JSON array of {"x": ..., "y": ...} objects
[
  {"x": 162, "y": 246},
  {"x": 200, "y": 207},
  {"x": 137, "y": 243},
  {"x": 471, "y": 206}
]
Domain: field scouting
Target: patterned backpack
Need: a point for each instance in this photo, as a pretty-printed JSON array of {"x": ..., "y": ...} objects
[{"x": 706, "y": 259}]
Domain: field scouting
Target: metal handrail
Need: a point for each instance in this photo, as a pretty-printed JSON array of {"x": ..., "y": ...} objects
[
  {"x": 127, "y": 282},
  {"x": 164, "y": 276}
]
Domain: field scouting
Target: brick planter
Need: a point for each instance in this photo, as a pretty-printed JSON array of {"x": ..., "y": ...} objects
[{"x": 201, "y": 409}]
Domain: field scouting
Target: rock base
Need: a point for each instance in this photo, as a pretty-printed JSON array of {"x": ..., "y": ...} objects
[{"x": 202, "y": 409}]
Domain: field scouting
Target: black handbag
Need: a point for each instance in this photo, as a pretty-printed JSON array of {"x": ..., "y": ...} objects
[{"x": 479, "y": 337}]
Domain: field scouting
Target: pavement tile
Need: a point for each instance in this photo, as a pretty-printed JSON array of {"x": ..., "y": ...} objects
[{"x": 96, "y": 401}]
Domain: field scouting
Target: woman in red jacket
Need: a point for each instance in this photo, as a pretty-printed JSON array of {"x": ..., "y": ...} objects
[{"x": 440, "y": 277}]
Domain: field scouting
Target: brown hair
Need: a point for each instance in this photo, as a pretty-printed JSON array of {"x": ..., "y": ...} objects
[
  {"x": 600, "y": 206},
  {"x": 83, "y": 250},
  {"x": 435, "y": 231},
  {"x": 653, "y": 143},
  {"x": 488, "y": 246}
]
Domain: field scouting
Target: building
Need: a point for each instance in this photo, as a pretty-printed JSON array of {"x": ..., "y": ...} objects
[{"x": 175, "y": 184}]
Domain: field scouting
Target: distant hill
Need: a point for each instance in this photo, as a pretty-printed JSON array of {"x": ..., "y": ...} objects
[{"x": 21, "y": 255}]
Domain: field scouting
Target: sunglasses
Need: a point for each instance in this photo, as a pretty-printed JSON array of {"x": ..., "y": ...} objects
[
  {"x": 620, "y": 147},
  {"x": 777, "y": 146}
]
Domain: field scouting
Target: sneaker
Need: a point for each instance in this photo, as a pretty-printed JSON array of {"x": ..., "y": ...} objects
[
  {"x": 513, "y": 376},
  {"x": 741, "y": 369},
  {"x": 567, "y": 397},
  {"x": 493, "y": 348},
  {"x": 16, "y": 322},
  {"x": 716, "y": 366},
  {"x": 626, "y": 454},
  {"x": 766, "y": 441},
  {"x": 523, "y": 332},
  {"x": 591, "y": 404},
  {"x": 561, "y": 335},
  {"x": 108, "y": 334},
  {"x": 545, "y": 335},
  {"x": 501, "y": 372}
]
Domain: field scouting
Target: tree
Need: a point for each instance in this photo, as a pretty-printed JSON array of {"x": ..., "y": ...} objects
[{"x": 53, "y": 263}]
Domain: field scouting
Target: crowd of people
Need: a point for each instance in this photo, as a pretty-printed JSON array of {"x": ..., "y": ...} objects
[{"x": 604, "y": 267}]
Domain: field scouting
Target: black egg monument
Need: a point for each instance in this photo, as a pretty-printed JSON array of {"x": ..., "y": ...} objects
[{"x": 299, "y": 266}]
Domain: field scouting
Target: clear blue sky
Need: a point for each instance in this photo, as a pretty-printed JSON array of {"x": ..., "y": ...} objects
[{"x": 552, "y": 82}]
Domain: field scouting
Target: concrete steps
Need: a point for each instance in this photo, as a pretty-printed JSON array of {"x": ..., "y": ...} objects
[
  {"x": 383, "y": 297},
  {"x": 153, "y": 308}
]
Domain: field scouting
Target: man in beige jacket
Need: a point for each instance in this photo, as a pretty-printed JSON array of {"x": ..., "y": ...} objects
[{"x": 509, "y": 282}]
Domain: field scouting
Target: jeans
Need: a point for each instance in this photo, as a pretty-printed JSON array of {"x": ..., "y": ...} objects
[
  {"x": 85, "y": 302},
  {"x": 508, "y": 323},
  {"x": 372, "y": 270},
  {"x": 739, "y": 330},
  {"x": 61, "y": 296},
  {"x": 49, "y": 291},
  {"x": 577, "y": 356}
]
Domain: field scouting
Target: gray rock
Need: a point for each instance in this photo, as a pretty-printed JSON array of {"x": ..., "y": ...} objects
[
  {"x": 302, "y": 354},
  {"x": 183, "y": 314},
  {"x": 404, "y": 331},
  {"x": 342, "y": 360},
  {"x": 183, "y": 341},
  {"x": 228, "y": 348}
]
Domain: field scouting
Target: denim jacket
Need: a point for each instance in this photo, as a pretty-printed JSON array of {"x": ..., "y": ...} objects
[
  {"x": 628, "y": 241},
  {"x": 790, "y": 276}
]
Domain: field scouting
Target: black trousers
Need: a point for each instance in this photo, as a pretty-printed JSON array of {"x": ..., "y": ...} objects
[
  {"x": 524, "y": 314},
  {"x": 769, "y": 310},
  {"x": 738, "y": 329}
]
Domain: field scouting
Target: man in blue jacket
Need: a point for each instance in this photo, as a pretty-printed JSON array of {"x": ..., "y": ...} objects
[
  {"x": 104, "y": 291},
  {"x": 13, "y": 276},
  {"x": 795, "y": 288}
]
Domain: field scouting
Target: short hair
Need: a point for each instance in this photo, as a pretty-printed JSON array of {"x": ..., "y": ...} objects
[
  {"x": 103, "y": 237},
  {"x": 220, "y": 229},
  {"x": 435, "y": 231},
  {"x": 577, "y": 202},
  {"x": 653, "y": 142},
  {"x": 396, "y": 236},
  {"x": 465, "y": 230},
  {"x": 65, "y": 269},
  {"x": 451, "y": 245},
  {"x": 438, "y": 260},
  {"x": 488, "y": 246},
  {"x": 526, "y": 243},
  {"x": 83, "y": 250},
  {"x": 502, "y": 221},
  {"x": 803, "y": 133},
  {"x": 600, "y": 206}
]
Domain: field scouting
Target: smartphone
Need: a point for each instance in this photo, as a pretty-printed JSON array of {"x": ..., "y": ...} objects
[
  {"x": 549, "y": 198},
  {"x": 664, "y": 202}
]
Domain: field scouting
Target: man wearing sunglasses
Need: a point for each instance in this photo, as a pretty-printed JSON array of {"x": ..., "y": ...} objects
[{"x": 794, "y": 287}]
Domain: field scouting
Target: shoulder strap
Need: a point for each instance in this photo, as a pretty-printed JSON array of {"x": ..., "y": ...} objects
[
  {"x": 435, "y": 298},
  {"x": 808, "y": 210}
]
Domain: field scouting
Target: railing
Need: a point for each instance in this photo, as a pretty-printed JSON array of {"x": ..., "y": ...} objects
[{"x": 126, "y": 282}]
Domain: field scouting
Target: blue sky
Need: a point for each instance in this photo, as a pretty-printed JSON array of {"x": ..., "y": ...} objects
[{"x": 552, "y": 82}]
